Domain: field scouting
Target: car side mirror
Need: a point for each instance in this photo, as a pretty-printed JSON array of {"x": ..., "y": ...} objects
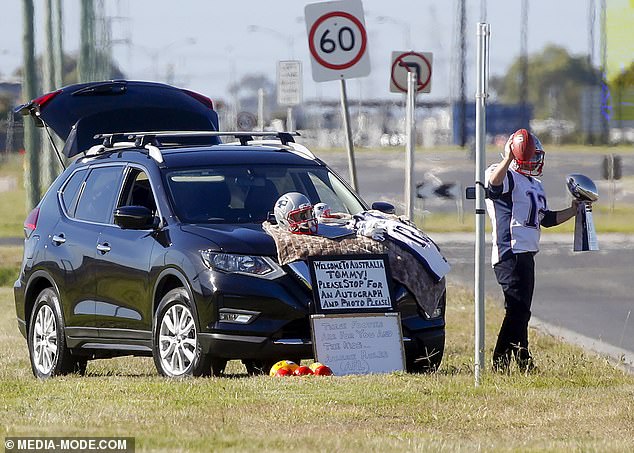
[
  {"x": 384, "y": 206},
  {"x": 134, "y": 218}
]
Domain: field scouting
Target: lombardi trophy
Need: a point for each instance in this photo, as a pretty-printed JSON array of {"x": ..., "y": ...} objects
[{"x": 583, "y": 189}]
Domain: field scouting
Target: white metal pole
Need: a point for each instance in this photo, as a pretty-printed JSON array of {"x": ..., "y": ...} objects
[
  {"x": 290, "y": 124},
  {"x": 260, "y": 109},
  {"x": 349, "y": 145},
  {"x": 410, "y": 144},
  {"x": 482, "y": 58}
]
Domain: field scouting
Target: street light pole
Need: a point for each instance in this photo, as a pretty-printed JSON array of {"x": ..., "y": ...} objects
[{"x": 29, "y": 91}]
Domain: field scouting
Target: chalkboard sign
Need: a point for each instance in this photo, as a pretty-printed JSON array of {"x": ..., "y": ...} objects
[
  {"x": 351, "y": 284},
  {"x": 359, "y": 343}
]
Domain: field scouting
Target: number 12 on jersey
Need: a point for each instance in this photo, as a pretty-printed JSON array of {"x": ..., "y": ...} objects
[{"x": 537, "y": 207}]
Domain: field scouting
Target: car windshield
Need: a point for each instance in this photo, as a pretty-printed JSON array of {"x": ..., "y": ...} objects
[{"x": 241, "y": 194}]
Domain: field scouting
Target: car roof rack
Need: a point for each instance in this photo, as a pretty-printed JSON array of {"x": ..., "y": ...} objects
[
  {"x": 150, "y": 140},
  {"x": 150, "y": 137}
]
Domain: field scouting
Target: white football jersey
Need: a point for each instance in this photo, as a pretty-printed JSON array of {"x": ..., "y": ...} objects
[{"x": 515, "y": 214}]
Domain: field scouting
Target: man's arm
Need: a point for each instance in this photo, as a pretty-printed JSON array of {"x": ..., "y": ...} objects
[
  {"x": 553, "y": 218},
  {"x": 499, "y": 173}
]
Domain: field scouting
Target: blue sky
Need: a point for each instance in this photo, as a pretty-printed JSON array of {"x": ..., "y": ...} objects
[{"x": 207, "y": 43}]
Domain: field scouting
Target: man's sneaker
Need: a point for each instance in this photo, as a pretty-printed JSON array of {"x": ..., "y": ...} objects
[
  {"x": 501, "y": 363},
  {"x": 526, "y": 365}
]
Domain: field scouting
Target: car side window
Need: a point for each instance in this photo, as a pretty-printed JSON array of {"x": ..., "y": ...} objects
[
  {"x": 70, "y": 192},
  {"x": 137, "y": 191},
  {"x": 98, "y": 197}
]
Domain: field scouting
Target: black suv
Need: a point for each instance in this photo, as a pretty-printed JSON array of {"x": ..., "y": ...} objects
[{"x": 151, "y": 243}]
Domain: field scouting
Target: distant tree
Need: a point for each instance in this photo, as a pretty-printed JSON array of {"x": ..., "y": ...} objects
[
  {"x": 246, "y": 91},
  {"x": 6, "y": 103},
  {"x": 249, "y": 85},
  {"x": 555, "y": 83},
  {"x": 70, "y": 70},
  {"x": 622, "y": 94},
  {"x": 625, "y": 77}
]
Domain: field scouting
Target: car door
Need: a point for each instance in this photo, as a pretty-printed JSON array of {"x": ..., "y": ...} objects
[
  {"x": 124, "y": 292},
  {"x": 74, "y": 241}
]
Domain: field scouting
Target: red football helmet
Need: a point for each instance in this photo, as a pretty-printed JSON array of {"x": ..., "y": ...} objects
[{"x": 528, "y": 152}]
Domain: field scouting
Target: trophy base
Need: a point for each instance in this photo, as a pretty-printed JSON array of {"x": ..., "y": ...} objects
[{"x": 585, "y": 232}]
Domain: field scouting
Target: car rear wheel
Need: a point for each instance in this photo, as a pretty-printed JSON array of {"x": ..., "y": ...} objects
[
  {"x": 47, "y": 342},
  {"x": 176, "y": 347}
]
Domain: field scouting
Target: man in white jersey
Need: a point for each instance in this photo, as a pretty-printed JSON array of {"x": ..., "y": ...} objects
[{"x": 517, "y": 207}]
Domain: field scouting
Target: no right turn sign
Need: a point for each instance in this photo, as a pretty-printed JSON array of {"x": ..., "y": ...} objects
[{"x": 405, "y": 62}]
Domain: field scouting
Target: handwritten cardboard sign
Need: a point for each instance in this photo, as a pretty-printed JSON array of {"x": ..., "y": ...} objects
[
  {"x": 351, "y": 284},
  {"x": 359, "y": 343}
]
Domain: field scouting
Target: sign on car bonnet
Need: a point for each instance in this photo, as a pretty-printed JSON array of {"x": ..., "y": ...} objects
[{"x": 406, "y": 269}]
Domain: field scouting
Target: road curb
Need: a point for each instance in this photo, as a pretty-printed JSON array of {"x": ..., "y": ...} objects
[{"x": 622, "y": 358}]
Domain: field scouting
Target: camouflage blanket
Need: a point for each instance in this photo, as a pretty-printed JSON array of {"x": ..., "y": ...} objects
[{"x": 405, "y": 268}]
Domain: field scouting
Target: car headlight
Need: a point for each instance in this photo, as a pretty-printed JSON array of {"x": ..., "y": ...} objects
[{"x": 256, "y": 266}]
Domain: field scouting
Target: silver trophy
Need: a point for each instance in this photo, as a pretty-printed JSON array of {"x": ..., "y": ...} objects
[{"x": 583, "y": 189}]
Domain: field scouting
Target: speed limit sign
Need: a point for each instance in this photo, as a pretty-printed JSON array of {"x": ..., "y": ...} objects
[{"x": 337, "y": 40}]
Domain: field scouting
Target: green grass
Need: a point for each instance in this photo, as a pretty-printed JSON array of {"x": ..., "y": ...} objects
[
  {"x": 12, "y": 203},
  {"x": 606, "y": 220},
  {"x": 574, "y": 402},
  {"x": 10, "y": 261}
]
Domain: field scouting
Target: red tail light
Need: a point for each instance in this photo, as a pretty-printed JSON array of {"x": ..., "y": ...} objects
[
  {"x": 30, "y": 224},
  {"x": 45, "y": 98},
  {"x": 200, "y": 98}
]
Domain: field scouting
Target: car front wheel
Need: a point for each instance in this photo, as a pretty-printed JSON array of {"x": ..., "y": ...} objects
[
  {"x": 176, "y": 347},
  {"x": 47, "y": 342}
]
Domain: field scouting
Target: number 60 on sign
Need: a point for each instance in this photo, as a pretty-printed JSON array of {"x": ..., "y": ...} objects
[{"x": 337, "y": 40}]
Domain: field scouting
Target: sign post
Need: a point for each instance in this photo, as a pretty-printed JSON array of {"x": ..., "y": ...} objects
[
  {"x": 410, "y": 74},
  {"x": 482, "y": 75},
  {"x": 410, "y": 137},
  {"x": 338, "y": 42},
  {"x": 345, "y": 114},
  {"x": 289, "y": 88},
  {"x": 260, "y": 109}
]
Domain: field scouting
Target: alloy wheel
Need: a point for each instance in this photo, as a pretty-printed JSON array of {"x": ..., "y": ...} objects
[
  {"x": 45, "y": 340},
  {"x": 177, "y": 340}
]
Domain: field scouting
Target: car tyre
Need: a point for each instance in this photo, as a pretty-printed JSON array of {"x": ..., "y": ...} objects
[
  {"x": 176, "y": 348},
  {"x": 48, "y": 353},
  {"x": 217, "y": 366}
]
